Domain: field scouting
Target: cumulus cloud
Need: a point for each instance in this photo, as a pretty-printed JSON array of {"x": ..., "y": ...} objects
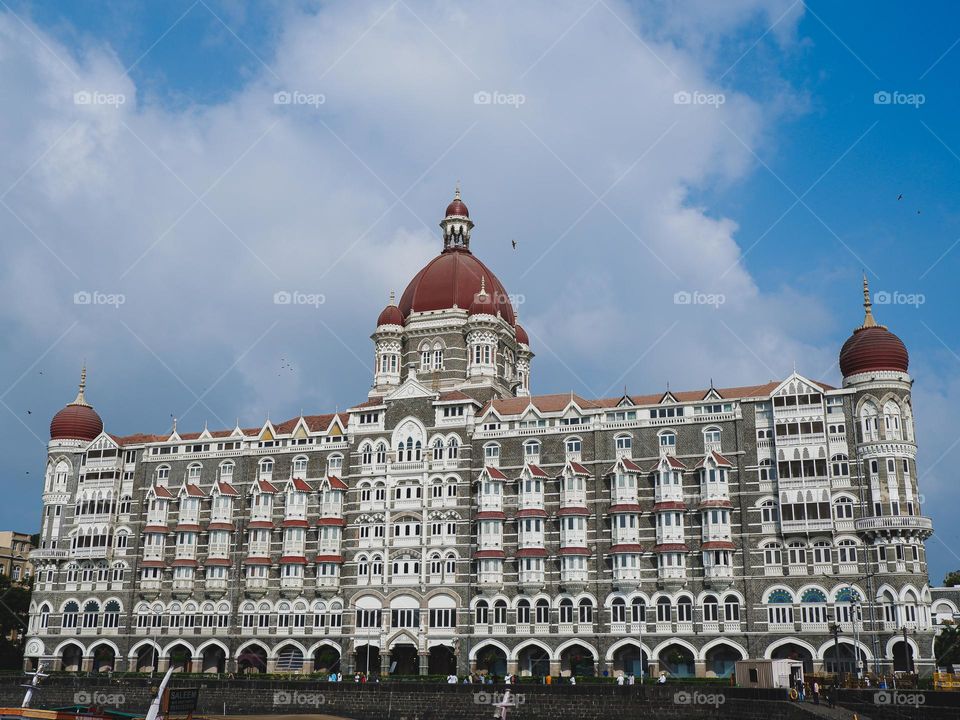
[{"x": 582, "y": 132}]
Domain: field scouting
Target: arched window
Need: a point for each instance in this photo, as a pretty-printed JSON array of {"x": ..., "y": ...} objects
[
  {"x": 481, "y": 613},
  {"x": 711, "y": 609},
  {"x": 531, "y": 451},
  {"x": 868, "y": 421},
  {"x": 668, "y": 439},
  {"x": 71, "y": 612},
  {"x": 266, "y": 469},
  {"x": 891, "y": 421},
  {"x": 573, "y": 446},
  {"x": 766, "y": 470},
  {"x": 438, "y": 449},
  {"x": 500, "y": 612},
  {"x": 453, "y": 449},
  {"x": 585, "y": 612},
  {"x": 542, "y": 612},
  {"x": 163, "y": 474},
  {"x": 839, "y": 466},
  {"x": 711, "y": 438},
  {"x": 523, "y": 612},
  {"x": 773, "y": 555},
  {"x": 624, "y": 444},
  {"x": 111, "y": 614},
  {"x": 300, "y": 466},
  {"x": 847, "y": 552},
  {"x": 618, "y": 611},
  {"x": 663, "y": 609},
  {"x": 684, "y": 609},
  {"x": 566, "y": 611},
  {"x": 843, "y": 508},
  {"x": 366, "y": 454},
  {"x": 769, "y": 512},
  {"x": 44, "y": 616},
  {"x": 226, "y": 471},
  {"x": 193, "y": 473},
  {"x": 638, "y": 610},
  {"x": 491, "y": 453},
  {"x": 381, "y": 453},
  {"x": 731, "y": 608}
]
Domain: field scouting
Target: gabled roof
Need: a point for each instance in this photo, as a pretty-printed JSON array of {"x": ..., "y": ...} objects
[
  {"x": 673, "y": 463},
  {"x": 267, "y": 487},
  {"x": 717, "y": 458},
  {"x": 576, "y": 468},
  {"x": 536, "y": 470},
  {"x": 226, "y": 488},
  {"x": 161, "y": 492},
  {"x": 336, "y": 483},
  {"x": 493, "y": 472},
  {"x": 192, "y": 490},
  {"x": 627, "y": 464},
  {"x": 456, "y": 396},
  {"x": 300, "y": 485}
]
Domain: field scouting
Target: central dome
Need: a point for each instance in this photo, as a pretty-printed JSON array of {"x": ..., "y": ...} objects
[{"x": 453, "y": 279}]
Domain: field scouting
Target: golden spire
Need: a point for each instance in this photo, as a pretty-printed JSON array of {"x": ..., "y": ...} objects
[
  {"x": 483, "y": 286},
  {"x": 81, "y": 400},
  {"x": 868, "y": 319}
]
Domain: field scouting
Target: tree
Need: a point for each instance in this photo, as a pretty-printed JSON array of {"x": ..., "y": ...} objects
[
  {"x": 14, "y": 613},
  {"x": 952, "y": 579},
  {"x": 946, "y": 648}
]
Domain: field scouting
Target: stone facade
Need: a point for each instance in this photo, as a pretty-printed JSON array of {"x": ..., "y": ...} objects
[{"x": 453, "y": 521}]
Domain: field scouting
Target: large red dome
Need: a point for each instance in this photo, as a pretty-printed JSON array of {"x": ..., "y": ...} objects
[
  {"x": 871, "y": 349},
  {"x": 453, "y": 278}
]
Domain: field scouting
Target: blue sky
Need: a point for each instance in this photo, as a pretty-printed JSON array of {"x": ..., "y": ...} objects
[{"x": 343, "y": 199}]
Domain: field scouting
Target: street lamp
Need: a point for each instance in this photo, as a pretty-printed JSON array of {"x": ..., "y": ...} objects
[{"x": 855, "y": 612}]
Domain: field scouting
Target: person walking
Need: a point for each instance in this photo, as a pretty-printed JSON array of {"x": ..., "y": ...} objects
[{"x": 815, "y": 691}]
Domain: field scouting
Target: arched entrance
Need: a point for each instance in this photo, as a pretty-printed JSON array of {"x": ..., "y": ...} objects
[
  {"x": 492, "y": 660},
  {"x": 721, "y": 660},
  {"x": 442, "y": 661},
  {"x": 104, "y": 659},
  {"x": 289, "y": 659},
  {"x": 214, "y": 659},
  {"x": 631, "y": 660},
  {"x": 844, "y": 661},
  {"x": 367, "y": 660},
  {"x": 404, "y": 660},
  {"x": 678, "y": 661},
  {"x": 792, "y": 651},
  {"x": 577, "y": 660},
  {"x": 326, "y": 659},
  {"x": 71, "y": 658},
  {"x": 252, "y": 659},
  {"x": 147, "y": 656},
  {"x": 179, "y": 656},
  {"x": 902, "y": 657},
  {"x": 533, "y": 660}
]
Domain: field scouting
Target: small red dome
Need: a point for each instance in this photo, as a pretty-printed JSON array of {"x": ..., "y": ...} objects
[
  {"x": 451, "y": 279},
  {"x": 76, "y": 422},
  {"x": 457, "y": 207},
  {"x": 391, "y": 315},
  {"x": 522, "y": 335},
  {"x": 873, "y": 348}
]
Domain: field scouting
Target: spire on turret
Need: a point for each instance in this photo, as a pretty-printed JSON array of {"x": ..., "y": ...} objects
[
  {"x": 868, "y": 319},
  {"x": 456, "y": 224},
  {"x": 81, "y": 400}
]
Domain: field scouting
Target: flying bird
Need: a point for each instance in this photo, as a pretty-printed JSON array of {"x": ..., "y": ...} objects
[
  {"x": 29, "y": 412},
  {"x": 900, "y": 196},
  {"x": 514, "y": 243}
]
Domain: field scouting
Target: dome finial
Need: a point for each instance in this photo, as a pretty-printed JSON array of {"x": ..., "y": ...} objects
[
  {"x": 483, "y": 286},
  {"x": 81, "y": 400},
  {"x": 393, "y": 298},
  {"x": 456, "y": 191},
  {"x": 868, "y": 319}
]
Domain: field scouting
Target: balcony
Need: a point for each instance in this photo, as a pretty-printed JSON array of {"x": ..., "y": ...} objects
[
  {"x": 48, "y": 554},
  {"x": 668, "y": 493},
  {"x": 887, "y": 524},
  {"x": 671, "y": 573},
  {"x": 574, "y": 498},
  {"x": 291, "y": 583},
  {"x": 531, "y": 501},
  {"x": 806, "y": 525},
  {"x": 718, "y": 572},
  {"x": 720, "y": 531},
  {"x": 216, "y": 584},
  {"x": 328, "y": 581},
  {"x": 626, "y": 574},
  {"x": 806, "y": 439},
  {"x": 410, "y": 466},
  {"x": 218, "y": 551},
  {"x": 156, "y": 518},
  {"x": 671, "y": 535}
]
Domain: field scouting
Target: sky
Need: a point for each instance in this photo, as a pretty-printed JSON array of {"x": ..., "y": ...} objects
[{"x": 166, "y": 169}]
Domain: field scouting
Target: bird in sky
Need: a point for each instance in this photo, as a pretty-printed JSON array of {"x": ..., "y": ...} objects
[
  {"x": 514, "y": 243},
  {"x": 900, "y": 196}
]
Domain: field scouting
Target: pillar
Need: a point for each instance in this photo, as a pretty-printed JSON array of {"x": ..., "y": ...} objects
[
  {"x": 608, "y": 667},
  {"x": 424, "y": 658},
  {"x": 554, "y": 667},
  {"x": 163, "y": 664},
  {"x": 307, "y": 666},
  {"x": 271, "y": 665},
  {"x": 384, "y": 662},
  {"x": 700, "y": 668},
  {"x": 513, "y": 666},
  {"x": 86, "y": 663},
  {"x": 196, "y": 665}
]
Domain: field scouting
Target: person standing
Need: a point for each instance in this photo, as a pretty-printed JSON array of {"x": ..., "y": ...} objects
[{"x": 815, "y": 691}]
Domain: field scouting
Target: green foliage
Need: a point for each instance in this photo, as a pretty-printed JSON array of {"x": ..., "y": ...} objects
[
  {"x": 14, "y": 613},
  {"x": 946, "y": 647},
  {"x": 952, "y": 579}
]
